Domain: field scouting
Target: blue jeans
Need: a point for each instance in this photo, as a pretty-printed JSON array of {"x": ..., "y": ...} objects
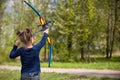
[{"x": 30, "y": 76}]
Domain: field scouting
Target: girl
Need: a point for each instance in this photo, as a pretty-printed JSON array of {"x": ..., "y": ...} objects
[{"x": 29, "y": 54}]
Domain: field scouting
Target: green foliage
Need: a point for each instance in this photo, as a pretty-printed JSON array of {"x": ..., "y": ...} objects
[{"x": 81, "y": 25}]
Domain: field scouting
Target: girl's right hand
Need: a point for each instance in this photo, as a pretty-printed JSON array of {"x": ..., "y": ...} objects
[{"x": 17, "y": 43}]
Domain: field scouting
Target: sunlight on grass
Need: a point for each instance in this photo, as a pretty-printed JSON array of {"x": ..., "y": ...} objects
[{"x": 99, "y": 63}]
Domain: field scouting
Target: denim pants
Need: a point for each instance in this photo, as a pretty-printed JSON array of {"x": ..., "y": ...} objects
[{"x": 30, "y": 76}]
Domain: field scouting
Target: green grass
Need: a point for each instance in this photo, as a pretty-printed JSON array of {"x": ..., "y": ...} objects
[
  {"x": 97, "y": 63},
  {"x": 15, "y": 75}
]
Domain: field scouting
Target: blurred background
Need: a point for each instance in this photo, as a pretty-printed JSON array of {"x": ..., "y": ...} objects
[{"x": 81, "y": 29}]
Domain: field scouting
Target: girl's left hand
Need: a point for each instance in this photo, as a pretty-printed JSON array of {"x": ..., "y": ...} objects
[{"x": 46, "y": 31}]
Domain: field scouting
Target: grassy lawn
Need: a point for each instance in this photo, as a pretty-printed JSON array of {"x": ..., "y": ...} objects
[
  {"x": 15, "y": 75},
  {"x": 97, "y": 63}
]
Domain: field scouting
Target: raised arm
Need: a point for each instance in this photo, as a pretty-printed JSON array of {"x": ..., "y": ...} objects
[
  {"x": 14, "y": 52},
  {"x": 43, "y": 40}
]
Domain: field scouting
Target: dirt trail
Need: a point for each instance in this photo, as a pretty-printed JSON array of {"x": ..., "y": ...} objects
[{"x": 87, "y": 72}]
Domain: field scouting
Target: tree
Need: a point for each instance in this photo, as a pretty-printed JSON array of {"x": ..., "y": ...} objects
[
  {"x": 2, "y": 11},
  {"x": 114, "y": 26},
  {"x": 65, "y": 17},
  {"x": 2, "y": 8},
  {"x": 79, "y": 23},
  {"x": 111, "y": 27}
]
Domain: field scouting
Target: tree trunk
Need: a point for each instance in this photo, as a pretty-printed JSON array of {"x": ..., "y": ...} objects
[
  {"x": 88, "y": 58},
  {"x": 82, "y": 51},
  {"x": 107, "y": 39},
  {"x": 69, "y": 44},
  {"x": 114, "y": 29}
]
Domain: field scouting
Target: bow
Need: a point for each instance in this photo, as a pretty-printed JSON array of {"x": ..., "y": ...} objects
[{"x": 43, "y": 24}]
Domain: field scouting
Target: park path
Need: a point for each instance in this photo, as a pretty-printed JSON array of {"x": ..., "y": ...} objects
[{"x": 87, "y": 72}]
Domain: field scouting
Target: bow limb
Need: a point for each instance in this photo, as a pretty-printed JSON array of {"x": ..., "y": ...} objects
[
  {"x": 41, "y": 18},
  {"x": 50, "y": 53},
  {"x": 34, "y": 9}
]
